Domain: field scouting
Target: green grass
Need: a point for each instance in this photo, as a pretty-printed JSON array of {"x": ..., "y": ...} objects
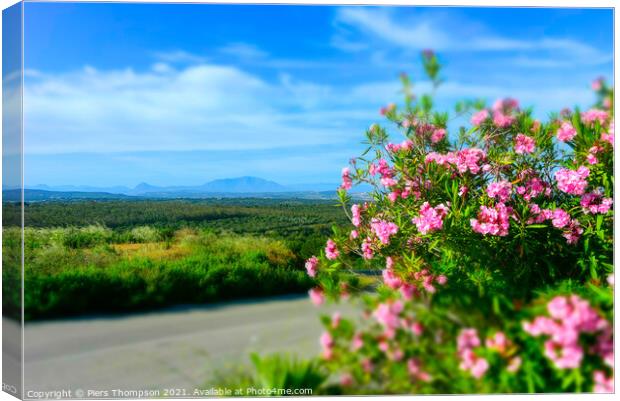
[{"x": 71, "y": 271}]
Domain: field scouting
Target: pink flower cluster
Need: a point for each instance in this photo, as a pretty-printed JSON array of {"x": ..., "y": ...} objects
[
  {"x": 389, "y": 277},
  {"x": 464, "y": 160},
  {"x": 387, "y": 174},
  {"x": 560, "y": 219},
  {"x": 502, "y": 120},
  {"x": 524, "y": 144},
  {"x": 394, "y": 147},
  {"x": 311, "y": 266},
  {"x": 356, "y": 215},
  {"x": 422, "y": 278},
  {"x": 592, "y": 152},
  {"x": 570, "y": 317},
  {"x": 415, "y": 370},
  {"x": 602, "y": 384},
  {"x": 438, "y": 135},
  {"x": 367, "y": 251},
  {"x": 566, "y": 132},
  {"x": 383, "y": 229},
  {"x": 595, "y": 203},
  {"x": 533, "y": 188},
  {"x": 466, "y": 341},
  {"x": 572, "y": 182},
  {"x": 500, "y": 190},
  {"x": 327, "y": 343},
  {"x": 387, "y": 314},
  {"x": 593, "y": 115},
  {"x": 609, "y": 136},
  {"x": 317, "y": 297},
  {"x": 492, "y": 220},
  {"x": 430, "y": 218},
  {"x": 478, "y": 118},
  {"x": 331, "y": 251},
  {"x": 347, "y": 182}
]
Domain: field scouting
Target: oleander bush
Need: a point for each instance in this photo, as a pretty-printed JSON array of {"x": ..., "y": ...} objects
[{"x": 495, "y": 246}]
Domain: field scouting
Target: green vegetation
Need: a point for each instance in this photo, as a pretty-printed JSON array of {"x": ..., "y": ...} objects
[{"x": 86, "y": 257}]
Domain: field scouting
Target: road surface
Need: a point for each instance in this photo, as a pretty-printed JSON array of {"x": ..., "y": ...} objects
[{"x": 175, "y": 348}]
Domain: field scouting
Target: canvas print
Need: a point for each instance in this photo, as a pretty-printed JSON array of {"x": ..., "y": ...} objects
[{"x": 204, "y": 200}]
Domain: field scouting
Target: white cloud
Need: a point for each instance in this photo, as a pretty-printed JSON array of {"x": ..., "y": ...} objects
[
  {"x": 218, "y": 107},
  {"x": 179, "y": 56},
  {"x": 443, "y": 32},
  {"x": 203, "y": 106}
]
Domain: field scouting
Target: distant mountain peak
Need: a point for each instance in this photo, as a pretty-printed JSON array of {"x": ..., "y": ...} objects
[
  {"x": 143, "y": 186},
  {"x": 245, "y": 184}
]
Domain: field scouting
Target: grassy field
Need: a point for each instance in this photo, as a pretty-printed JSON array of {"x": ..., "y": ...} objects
[{"x": 87, "y": 257}]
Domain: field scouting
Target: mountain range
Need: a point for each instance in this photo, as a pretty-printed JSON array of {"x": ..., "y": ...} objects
[{"x": 227, "y": 187}]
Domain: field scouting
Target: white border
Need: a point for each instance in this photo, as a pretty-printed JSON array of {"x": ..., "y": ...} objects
[{"x": 472, "y": 3}]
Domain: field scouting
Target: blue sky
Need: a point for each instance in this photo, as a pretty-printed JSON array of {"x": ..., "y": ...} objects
[{"x": 172, "y": 94}]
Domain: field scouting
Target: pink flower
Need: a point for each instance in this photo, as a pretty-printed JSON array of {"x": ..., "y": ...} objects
[
  {"x": 389, "y": 278},
  {"x": 408, "y": 291},
  {"x": 383, "y": 229},
  {"x": 597, "y": 84},
  {"x": 573, "y": 232},
  {"x": 438, "y": 135},
  {"x": 316, "y": 296},
  {"x": 464, "y": 160},
  {"x": 595, "y": 203},
  {"x": 326, "y": 340},
  {"x": 502, "y": 120},
  {"x": 500, "y": 190},
  {"x": 479, "y": 368},
  {"x": 354, "y": 234},
  {"x": 498, "y": 342},
  {"x": 560, "y": 218},
  {"x": 415, "y": 370},
  {"x": 336, "y": 318},
  {"x": 506, "y": 105},
  {"x": 524, "y": 144},
  {"x": 572, "y": 181},
  {"x": 609, "y": 137},
  {"x": 591, "y": 159},
  {"x": 387, "y": 314},
  {"x": 602, "y": 384},
  {"x": 387, "y": 109},
  {"x": 479, "y": 117},
  {"x": 430, "y": 218},
  {"x": 463, "y": 190},
  {"x": 367, "y": 249},
  {"x": 331, "y": 251},
  {"x": 566, "y": 132},
  {"x": 347, "y": 182},
  {"x": 346, "y": 380},
  {"x": 467, "y": 340},
  {"x": 367, "y": 365},
  {"x": 533, "y": 188},
  {"x": 417, "y": 328},
  {"x": 356, "y": 213},
  {"x": 357, "y": 342},
  {"x": 593, "y": 115},
  {"x": 372, "y": 169},
  {"x": 311, "y": 266},
  {"x": 570, "y": 316},
  {"x": 494, "y": 221},
  {"x": 441, "y": 279},
  {"x": 611, "y": 280}
]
